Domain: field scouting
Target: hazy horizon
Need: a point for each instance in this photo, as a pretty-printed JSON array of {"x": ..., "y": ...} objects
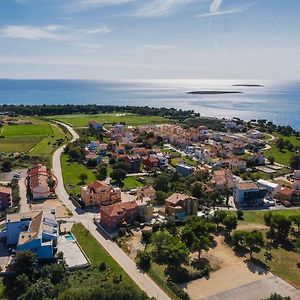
[{"x": 149, "y": 39}]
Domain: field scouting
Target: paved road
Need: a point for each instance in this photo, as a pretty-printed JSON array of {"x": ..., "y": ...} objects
[
  {"x": 140, "y": 278},
  {"x": 260, "y": 289}
]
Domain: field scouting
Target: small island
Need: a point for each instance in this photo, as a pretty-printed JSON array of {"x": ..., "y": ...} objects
[
  {"x": 213, "y": 92},
  {"x": 249, "y": 85}
]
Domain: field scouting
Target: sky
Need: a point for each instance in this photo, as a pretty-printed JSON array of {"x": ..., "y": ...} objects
[{"x": 150, "y": 39}]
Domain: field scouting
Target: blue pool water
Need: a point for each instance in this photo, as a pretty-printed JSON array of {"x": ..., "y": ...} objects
[{"x": 69, "y": 237}]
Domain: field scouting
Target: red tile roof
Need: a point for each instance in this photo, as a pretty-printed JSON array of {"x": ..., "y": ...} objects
[
  {"x": 118, "y": 208},
  {"x": 5, "y": 190}
]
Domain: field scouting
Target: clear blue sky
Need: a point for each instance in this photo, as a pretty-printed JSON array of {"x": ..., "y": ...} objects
[{"x": 130, "y": 39}]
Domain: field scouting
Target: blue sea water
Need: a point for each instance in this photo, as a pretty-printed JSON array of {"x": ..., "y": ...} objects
[{"x": 277, "y": 101}]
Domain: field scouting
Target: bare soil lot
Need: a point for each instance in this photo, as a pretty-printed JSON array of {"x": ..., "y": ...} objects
[{"x": 234, "y": 272}]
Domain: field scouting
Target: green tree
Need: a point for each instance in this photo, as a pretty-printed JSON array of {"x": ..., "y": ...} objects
[
  {"x": 143, "y": 259},
  {"x": 201, "y": 243},
  {"x": 230, "y": 222},
  {"x": 296, "y": 220},
  {"x": 219, "y": 217},
  {"x": 277, "y": 297},
  {"x": 161, "y": 183},
  {"x": 25, "y": 262},
  {"x": 280, "y": 144},
  {"x": 175, "y": 253},
  {"x": 295, "y": 162},
  {"x": 271, "y": 159},
  {"x": 197, "y": 189},
  {"x": 240, "y": 214},
  {"x": 51, "y": 184},
  {"x": 280, "y": 227},
  {"x": 83, "y": 177},
  {"x": 6, "y": 166},
  {"x": 41, "y": 290},
  {"x": 254, "y": 241},
  {"x": 118, "y": 175},
  {"x": 101, "y": 172}
]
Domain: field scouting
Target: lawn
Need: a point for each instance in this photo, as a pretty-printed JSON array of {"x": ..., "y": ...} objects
[
  {"x": 282, "y": 157},
  {"x": 48, "y": 144},
  {"x": 71, "y": 171},
  {"x": 131, "y": 182},
  {"x": 95, "y": 252},
  {"x": 258, "y": 216},
  {"x": 18, "y": 144},
  {"x": 284, "y": 265},
  {"x": 27, "y": 130},
  {"x": 81, "y": 120}
]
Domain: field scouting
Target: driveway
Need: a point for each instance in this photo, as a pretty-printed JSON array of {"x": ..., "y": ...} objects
[{"x": 140, "y": 278}]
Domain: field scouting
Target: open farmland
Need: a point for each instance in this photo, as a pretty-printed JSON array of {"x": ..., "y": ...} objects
[
  {"x": 81, "y": 120},
  {"x": 36, "y": 138},
  {"x": 18, "y": 144},
  {"x": 26, "y": 130}
]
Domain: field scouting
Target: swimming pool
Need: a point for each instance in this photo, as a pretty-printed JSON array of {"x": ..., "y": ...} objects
[{"x": 69, "y": 237}]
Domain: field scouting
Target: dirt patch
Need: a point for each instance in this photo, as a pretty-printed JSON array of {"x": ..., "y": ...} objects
[
  {"x": 251, "y": 226},
  {"x": 233, "y": 272},
  {"x": 60, "y": 210}
]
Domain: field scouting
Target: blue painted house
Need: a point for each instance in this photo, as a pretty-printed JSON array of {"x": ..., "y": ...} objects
[
  {"x": 36, "y": 231},
  {"x": 95, "y": 125},
  {"x": 184, "y": 170}
]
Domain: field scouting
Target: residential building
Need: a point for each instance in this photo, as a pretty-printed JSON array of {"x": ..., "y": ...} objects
[
  {"x": 223, "y": 179},
  {"x": 163, "y": 160},
  {"x": 151, "y": 162},
  {"x": 248, "y": 194},
  {"x": 285, "y": 195},
  {"x": 95, "y": 125},
  {"x": 181, "y": 205},
  {"x": 145, "y": 209},
  {"x": 36, "y": 231},
  {"x": 146, "y": 192},
  {"x": 273, "y": 188},
  {"x": 296, "y": 174},
  {"x": 118, "y": 214},
  {"x": 296, "y": 186},
  {"x": 5, "y": 197},
  {"x": 235, "y": 164},
  {"x": 255, "y": 134},
  {"x": 134, "y": 162},
  {"x": 37, "y": 182},
  {"x": 184, "y": 170},
  {"x": 99, "y": 193}
]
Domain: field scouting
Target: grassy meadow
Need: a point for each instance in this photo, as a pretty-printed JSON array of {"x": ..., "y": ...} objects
[
  {"x": 82, "y": 120},
  {"x": 71, "y": 171}
]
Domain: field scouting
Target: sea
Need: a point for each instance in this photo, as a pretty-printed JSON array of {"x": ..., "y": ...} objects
[{"x": 277, "y": 101}]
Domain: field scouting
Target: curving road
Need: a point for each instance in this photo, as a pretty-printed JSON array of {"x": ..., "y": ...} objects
[{"x": 140, "y": 278}]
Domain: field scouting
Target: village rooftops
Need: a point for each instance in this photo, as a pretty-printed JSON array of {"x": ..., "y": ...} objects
[
  {"x": 5, "y": 190},
  {"x": 118, "y": 208},
  {"x": 286, "y": 191},
  {"x": 177, "y": 197}
]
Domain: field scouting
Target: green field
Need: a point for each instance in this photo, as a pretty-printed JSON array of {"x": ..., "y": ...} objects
[
  {"x": 18, "y": 144},
  {"x": 82, "y": 120},
  {"x": 95, "y": 252},
  {"x": 257, "y": 217},
  {"x": 38, "y": 138},
  {"x": 71, "y": 171},
  {"x": 131, "y": 182},
  {"x": 48, "y": 144},
  {"x": 28, "y": 129},
  {"x": 284, "y": 156}
]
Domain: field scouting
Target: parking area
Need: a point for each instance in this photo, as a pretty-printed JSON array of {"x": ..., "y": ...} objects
[
  {"x": 258, "y": 290},
  {"x": 74, "y": 256}
]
